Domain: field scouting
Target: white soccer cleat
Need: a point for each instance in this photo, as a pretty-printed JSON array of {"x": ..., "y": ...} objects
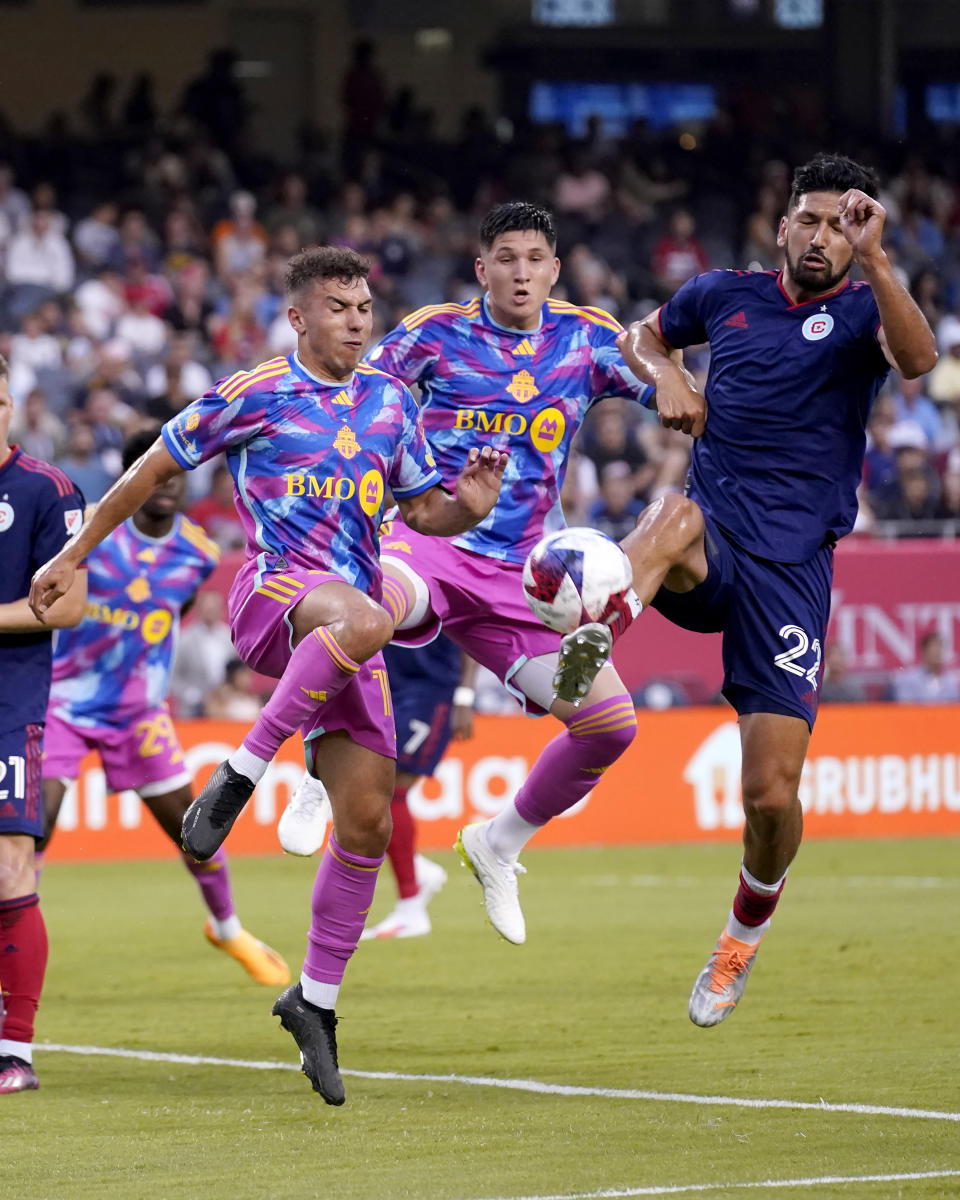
[
  {"x": 303, "y": 826},
  {"x": 498, "y": 880},
  {"x": 409, "y": 919},
  {"x": 720, "y": 984},
  {"x": 583, "y": 655},
  {"x": 430, "y": 878}
]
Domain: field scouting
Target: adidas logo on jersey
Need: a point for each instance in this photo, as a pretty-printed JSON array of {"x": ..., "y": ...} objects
[
  {"x": 738, "y": 320},
  {"x": 524, "y": 347}
]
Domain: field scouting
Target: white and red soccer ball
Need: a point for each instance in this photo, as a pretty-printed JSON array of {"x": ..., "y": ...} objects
[{"x": 576, "y": 576}]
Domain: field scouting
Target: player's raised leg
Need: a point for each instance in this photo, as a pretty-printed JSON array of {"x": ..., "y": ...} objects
[
  {"x": 336, "y": 627},
  {"x": 360, "y": 783},
  {"x": 666, "y": 546},
  {"x": 774, "y": 747}
]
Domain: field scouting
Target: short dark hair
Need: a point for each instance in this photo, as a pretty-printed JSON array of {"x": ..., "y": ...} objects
[
  {"x": 517, "y": 215},
  {"x": 324, "y": 262},
  {"x": 136, "y": 446},
  {"x": 832, "y": 173}
]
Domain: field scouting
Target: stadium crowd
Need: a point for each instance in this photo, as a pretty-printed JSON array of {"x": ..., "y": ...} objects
[{"x": 142, "y": 255}]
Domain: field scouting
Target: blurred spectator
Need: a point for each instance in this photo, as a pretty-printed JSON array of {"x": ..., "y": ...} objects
[
  {"x": 215, "y": 100},
  {"x": 102, "y": 302},
  {"x": 838, "y": 685},
  {"x": 191, "y": 308},
  {"x": 616, "y": 509},
  {"x": 879, "y": 464},
  {"x": 760, "y": 249},
  {"x": 911, "y": 404},
  {"x": 363, "y": 97},
  {"x": 611, "y": 438},
  {"x": 139, "y": 328},
  {"x": 943, "y": 382},
  {"x": 179, "y": 377},
  {"x": 239, "y": 241},
  {"x": 137, "y": 243},
  {"x": 14, "y": 204},
  {"x": 914, "y": 494},
  {"x": 32, "y": 347},
  {"x": 293, "y": 209},
  {"x": 678, "y": 254},
  {"x": 203, "y": 651},
  {"x": 217, "y": 512},
  {"x": 949, "y": 506},
  {"x": 236, "y": 698},
  {"x": 82, "y": 464},
  {"x": 929, "y": 682},
  {"x": 36, "y": 430},
  {"x": 95, "y": 238},
  {"x": 237, "y": 336},
  {"x": 41, "y": 256},
  {"x": 581, "y": 191}
]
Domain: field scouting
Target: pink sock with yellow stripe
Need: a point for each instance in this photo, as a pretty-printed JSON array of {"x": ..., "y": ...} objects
[
  {"x": 568, "y": 767},
  {"x": 317, "y": 670},
  {"x": 342, "y": 895}
]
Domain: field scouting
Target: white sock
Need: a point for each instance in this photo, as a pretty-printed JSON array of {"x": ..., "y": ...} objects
[
  {"x": 323, "y": 995},
  {"x": 22, "y": 1050},
  {"x": 762, "y": 889},
  {"x": 634, "y": 603},
  {"x": 751, "y": 934},
  {"x": 248, "y": 764},
  {"x": 226, "y": 928},
  {"x": 508, "y": 833}
]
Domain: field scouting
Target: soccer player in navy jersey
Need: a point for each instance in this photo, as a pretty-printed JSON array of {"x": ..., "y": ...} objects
[
  {"x": 39, "y": 510},
  {"x": 110, "y": 685},
  {"x": 797, "y": 358},
  {"x": 314, "y": 440}
]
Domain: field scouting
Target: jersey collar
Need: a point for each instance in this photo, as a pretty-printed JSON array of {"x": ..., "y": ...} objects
[
  {"x": 301, "y": 370},
  {"x": 813, "y": 299},
  {"x": 11, "y": 458},
  {"x": 517, "y": 333}
]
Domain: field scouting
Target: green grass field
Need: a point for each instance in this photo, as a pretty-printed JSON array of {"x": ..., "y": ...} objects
[{"x": 853, "y": 1002}]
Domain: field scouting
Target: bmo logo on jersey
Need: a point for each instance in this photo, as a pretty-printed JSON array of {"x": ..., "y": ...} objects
[{"x": 817, "y": 327}]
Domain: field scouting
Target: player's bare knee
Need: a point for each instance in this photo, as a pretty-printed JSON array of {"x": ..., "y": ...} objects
[
  {"x": 364, "y": 630},
  {"x": 769, "y": 799},
  {"x": 366, "y": 829},
  {"x": 16, "y": 866}
]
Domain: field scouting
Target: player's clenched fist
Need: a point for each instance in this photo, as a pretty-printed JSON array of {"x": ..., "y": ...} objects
[
  {"x": 52, "y": 581},
  {"x": 861, "y": 220}
]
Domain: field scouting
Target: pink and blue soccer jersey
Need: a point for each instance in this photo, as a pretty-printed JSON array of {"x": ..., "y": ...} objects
[
  {"x": 523, "y": 391},
  {"x": 115, "y": 665},
  {"x": 311, "y": 462}
]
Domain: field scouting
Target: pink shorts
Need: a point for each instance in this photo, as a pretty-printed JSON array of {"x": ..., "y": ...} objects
[
  {"x": 478, "y": 601},
  {"x": 144, "y": 755},
  {"x": 260, "y": 625}
]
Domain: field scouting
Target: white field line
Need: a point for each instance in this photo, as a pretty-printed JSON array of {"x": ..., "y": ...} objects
[
  {"x": 516, "y": 1085},
  {"x": 906, "y": 883},
  {"x": 680, "y": 1189}
]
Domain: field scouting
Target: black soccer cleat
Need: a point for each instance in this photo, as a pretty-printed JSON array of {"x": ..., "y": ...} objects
[
  {"x": 210, "y": 817},
  {"x": 315, "y": 1032}
]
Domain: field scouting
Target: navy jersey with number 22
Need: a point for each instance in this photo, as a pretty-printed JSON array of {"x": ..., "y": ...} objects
[{"x": 789, "y": 392}]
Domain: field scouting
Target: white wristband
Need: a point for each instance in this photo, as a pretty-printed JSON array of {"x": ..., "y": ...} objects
[{"x": 464, "y": 697}]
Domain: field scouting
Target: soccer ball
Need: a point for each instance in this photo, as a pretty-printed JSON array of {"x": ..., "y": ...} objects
[{"x": 576, "y": 576}]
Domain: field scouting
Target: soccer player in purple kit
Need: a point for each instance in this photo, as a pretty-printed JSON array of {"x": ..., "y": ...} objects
[
  {"x": 519, "y": 371},
  {"x": 313, "y": 441},
  {"x": 111, "y": 676},
  {"x": 797, "y": 358},
  {"x": 39, "y": 509}
]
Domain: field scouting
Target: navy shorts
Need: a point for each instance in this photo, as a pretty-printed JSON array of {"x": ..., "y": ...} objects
[
  {"x": 422, "y": 683},
  {"x": 773, "y": 617},
  {"x": 21, "y": 789}
]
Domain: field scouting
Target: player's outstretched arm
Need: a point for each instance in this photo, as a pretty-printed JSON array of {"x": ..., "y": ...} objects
[
  {"x": 438, "y": 513},
  {"x": 905, "y": 337},
  {"x": 679, "y": 404},
  {"x": 55, "y": 578}
]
